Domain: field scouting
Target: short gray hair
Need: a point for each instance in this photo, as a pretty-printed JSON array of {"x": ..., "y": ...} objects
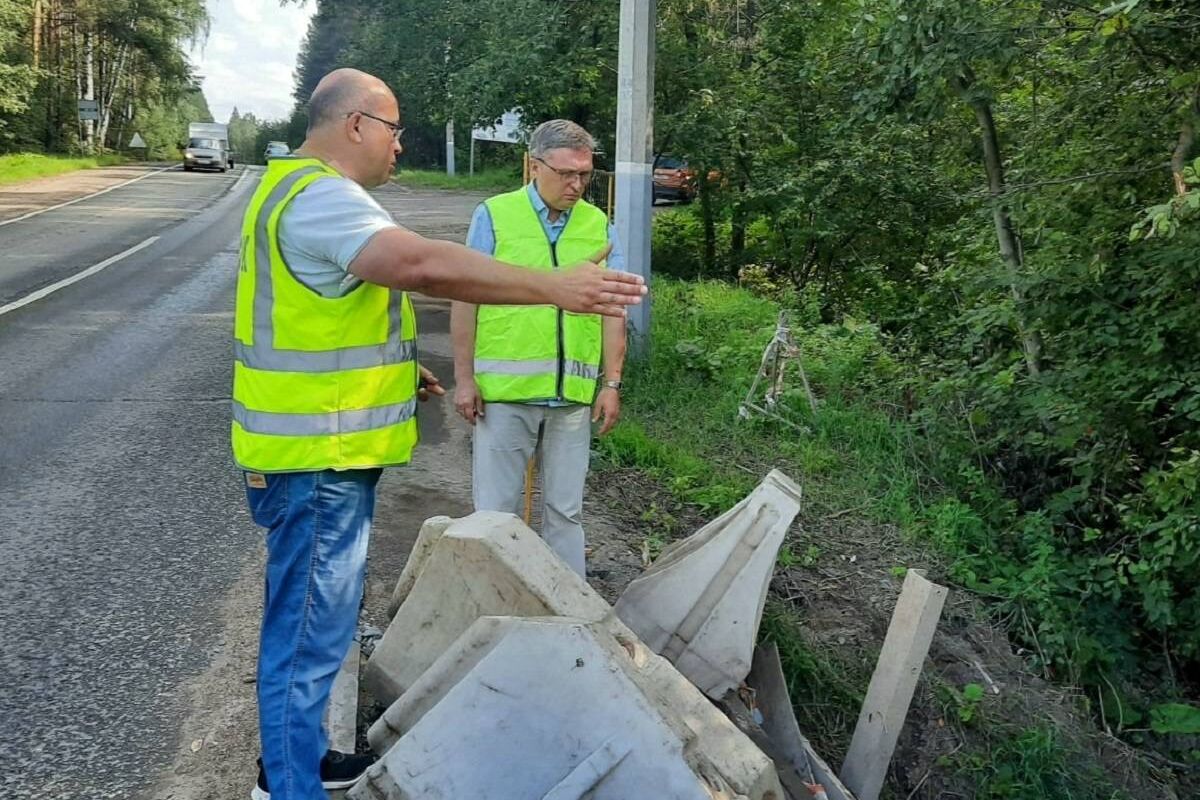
[
  {"x": 331, "y": 102},
  {"x": 559, "y": 134}
]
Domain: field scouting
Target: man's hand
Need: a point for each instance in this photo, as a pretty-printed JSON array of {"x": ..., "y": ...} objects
[
  {"x": 429, "y": 385},
  {"x": 468, "y": 401},
  {"x": 588, "y": 289},
  {"x": 608, "y": 408}
]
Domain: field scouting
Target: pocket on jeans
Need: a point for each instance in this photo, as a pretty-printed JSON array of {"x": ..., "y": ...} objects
[{"x": 266, "y": 501}]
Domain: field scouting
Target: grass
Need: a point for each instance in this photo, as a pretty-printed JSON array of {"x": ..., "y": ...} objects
[
  {"x": 825, "y": 696},
  {"x": 856, "y": 454},
  {"x": 494, "y": 179},
  {"x": 27, "y": 166},
  {"x": 708, "y": 340}
]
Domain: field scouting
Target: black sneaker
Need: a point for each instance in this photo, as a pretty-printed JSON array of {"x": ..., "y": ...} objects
[
  {"x": 341, "y": 770},
  {"x": 338, "y": 771}
]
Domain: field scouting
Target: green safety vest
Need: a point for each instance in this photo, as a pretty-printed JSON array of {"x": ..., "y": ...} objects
[
  {"x": 528, "y": 353},
  {"x": 318, "y": 382}
]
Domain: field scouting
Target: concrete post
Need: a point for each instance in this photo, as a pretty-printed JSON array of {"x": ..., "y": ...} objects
[
  {"x": 635, "y": 148},
  {"x": 450, "y": 147}
]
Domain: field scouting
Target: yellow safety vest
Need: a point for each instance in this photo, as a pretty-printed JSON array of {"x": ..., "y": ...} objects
[
  {"x": 318, "y": 382},
  {"x": 529, "y": 353}
]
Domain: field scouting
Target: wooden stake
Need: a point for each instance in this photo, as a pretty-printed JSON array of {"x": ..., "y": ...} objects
[
  {"x": 529, "y": 492},
  {"x": 904, "y": 649}
]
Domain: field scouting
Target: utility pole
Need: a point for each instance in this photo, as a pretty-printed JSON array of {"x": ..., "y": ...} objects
[
  {"x": 635, "y": 148},
  {"x": 450, "y": 122}
]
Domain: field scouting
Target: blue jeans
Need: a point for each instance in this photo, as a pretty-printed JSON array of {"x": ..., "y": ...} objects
[{"x": 317, "y": 526}]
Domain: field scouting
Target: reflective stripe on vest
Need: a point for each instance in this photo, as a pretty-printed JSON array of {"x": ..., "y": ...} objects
[
  {"x": 272, "y": 360},
  {"x": 571, "y": 367},
  {"x": 531, "y": 353},
  {"x": 328, "y": 424},
  {"x": 338, "y": 404}
]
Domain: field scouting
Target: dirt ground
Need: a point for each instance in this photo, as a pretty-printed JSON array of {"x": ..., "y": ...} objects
[{"x": 844, "y": 599}]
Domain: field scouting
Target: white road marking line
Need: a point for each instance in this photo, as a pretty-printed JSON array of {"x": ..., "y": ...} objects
[
  {"x": 65, "y": 282},
  {"x": 85, "y": 197},
  {"x": 245, "y": 174}
]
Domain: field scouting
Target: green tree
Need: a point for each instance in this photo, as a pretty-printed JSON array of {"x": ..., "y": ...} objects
[
  {"x": 243, "y": 137},
  {"x": 17, "y": 78},
  {"x": 127, "y": 55}
]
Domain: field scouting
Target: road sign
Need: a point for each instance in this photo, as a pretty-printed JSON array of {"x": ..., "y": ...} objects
[
  {"x": 89, "y": 109},
  {"x": 137, "y": 141},
  {"x": 509, "y": 130}
]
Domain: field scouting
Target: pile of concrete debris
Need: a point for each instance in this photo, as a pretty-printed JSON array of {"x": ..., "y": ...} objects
[{"x": 507, "y": 677}]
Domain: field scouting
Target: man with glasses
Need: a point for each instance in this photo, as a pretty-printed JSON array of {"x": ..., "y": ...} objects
[
  {"x": 538, "y": 373},
  {"x": 325, "y": 386}
]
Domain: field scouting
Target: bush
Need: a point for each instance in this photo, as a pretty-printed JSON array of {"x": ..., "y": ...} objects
[
  {"x": 677, "y": 244},
  {"x": 923, "y": 449}
]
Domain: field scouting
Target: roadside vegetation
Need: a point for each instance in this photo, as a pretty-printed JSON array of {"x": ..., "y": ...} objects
[
  {"x": 861, "y": 458},
  {"x": 26, "y": 166}
]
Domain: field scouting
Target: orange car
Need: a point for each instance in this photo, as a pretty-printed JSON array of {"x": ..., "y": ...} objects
[{"x": 673, "y": 179}]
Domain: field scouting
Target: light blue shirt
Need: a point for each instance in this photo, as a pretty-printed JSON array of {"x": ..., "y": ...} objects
[
  {"x": 481, "y": 236},
  {"x": 324, "y": 228}
]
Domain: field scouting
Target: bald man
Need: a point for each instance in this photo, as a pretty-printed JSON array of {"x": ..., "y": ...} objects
[{"x": 325, "y": 390}]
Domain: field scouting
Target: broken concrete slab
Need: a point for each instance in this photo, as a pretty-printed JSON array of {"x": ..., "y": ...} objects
[
  {"x": 486, "y": 564},
  {"x": 559, "y": 709},
  {"x": 701, "y": 602}
]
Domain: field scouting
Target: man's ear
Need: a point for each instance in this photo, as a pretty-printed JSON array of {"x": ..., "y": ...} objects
[{"x": 352, "y": 131}]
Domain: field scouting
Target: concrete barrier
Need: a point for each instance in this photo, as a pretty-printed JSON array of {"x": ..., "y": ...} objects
[
  {"x": 486, "y": 564},
  {"x": 701, "y": 602},
  {"x": 558, "y": 709},
  {"x": 431, "y": 531}
]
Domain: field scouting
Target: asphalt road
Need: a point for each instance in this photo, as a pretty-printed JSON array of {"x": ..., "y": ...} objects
[
  {"x": 120, "y": 517},
  {"x": 124, "y": 540}
]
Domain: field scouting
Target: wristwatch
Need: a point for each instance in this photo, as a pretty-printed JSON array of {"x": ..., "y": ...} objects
[{"x": 613, "y": 385}]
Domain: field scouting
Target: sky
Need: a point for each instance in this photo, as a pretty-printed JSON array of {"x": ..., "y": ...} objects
[{"x": 248, "y": 58}]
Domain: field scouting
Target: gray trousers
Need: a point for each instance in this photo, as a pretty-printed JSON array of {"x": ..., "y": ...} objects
[{"x": 505, "y": 439}]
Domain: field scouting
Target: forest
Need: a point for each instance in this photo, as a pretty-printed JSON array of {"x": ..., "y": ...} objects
[{"x": 129, "y": 56}]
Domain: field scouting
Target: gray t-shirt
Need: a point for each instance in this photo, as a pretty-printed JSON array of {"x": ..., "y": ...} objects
[{"x": 324, "y": 228}]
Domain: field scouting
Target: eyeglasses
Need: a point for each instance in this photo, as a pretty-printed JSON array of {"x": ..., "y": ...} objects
[
  {"x": 397, "y": 131},
  {"x": 568, "y": 175}
]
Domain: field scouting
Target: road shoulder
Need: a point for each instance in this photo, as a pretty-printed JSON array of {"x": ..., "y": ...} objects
[{"x": 18, "y": 199}]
